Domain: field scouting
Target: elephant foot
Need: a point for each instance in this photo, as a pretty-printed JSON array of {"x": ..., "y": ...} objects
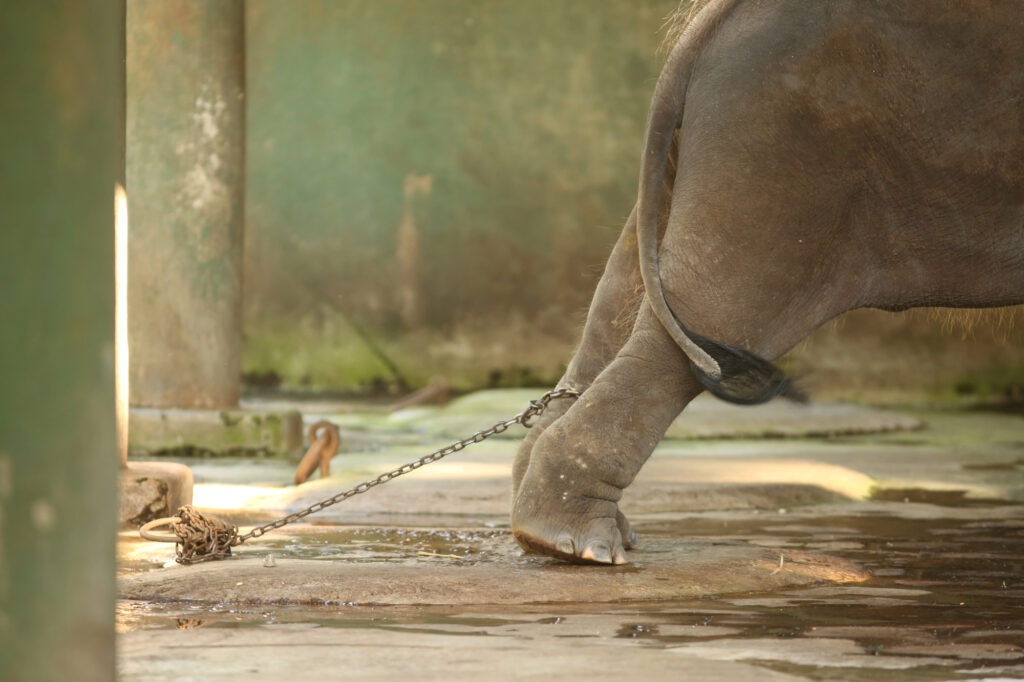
[
  {"x": 581, "y": 530},
  {"x": 629, "y": 538}
]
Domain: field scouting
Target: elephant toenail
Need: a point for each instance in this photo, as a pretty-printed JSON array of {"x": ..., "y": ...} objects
[
  {"x": 565, "y": 546},
  {"x": 620, "y": 557},
  {"x": 599, "y": 552}
]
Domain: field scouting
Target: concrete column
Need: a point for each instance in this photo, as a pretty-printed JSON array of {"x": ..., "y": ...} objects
[
  {"x": 185, "y": 134},
  {"x": 59, "y": 131}
]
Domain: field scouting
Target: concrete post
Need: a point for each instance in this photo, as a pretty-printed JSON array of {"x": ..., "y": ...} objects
[
  {"x": 59, "y": 131},
  {"x": 185, "y": 134}
]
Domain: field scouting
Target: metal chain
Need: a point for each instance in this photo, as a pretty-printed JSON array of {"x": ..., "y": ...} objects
[{"x": 524, "y": 417}]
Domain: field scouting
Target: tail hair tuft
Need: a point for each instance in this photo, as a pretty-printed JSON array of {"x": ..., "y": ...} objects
[{"x": 746, "y": 379}]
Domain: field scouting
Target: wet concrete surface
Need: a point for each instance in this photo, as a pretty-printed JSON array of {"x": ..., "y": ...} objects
[
  {"x": 940, "y": 536},
  {"x": 488, "y": 570}
]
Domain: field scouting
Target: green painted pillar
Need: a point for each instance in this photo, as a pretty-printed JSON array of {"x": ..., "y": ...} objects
[
  {"x": 60, "y": 84},
  {"x": 185, "y": 134}
]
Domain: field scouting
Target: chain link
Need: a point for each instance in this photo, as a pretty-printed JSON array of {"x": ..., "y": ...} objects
[{"x": 524, "y": 417}]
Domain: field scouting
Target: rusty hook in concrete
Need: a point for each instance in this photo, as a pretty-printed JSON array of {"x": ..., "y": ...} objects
[{"x": 322, "y": 448}]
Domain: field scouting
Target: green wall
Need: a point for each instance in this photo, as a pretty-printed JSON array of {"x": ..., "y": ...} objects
[{"x": 448, "y": 174}]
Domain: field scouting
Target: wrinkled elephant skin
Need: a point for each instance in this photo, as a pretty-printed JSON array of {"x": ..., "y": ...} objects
[{"x": 828, "y": 156}]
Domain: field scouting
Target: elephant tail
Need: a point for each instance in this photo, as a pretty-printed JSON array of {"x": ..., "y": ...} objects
[{"x": 731, "y": 373}]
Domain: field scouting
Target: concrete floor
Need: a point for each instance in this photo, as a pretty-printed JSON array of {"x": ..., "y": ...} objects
[{"x": 759, "y": 559}]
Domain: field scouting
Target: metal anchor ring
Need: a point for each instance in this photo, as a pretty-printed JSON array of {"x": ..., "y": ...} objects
[{"x": 147, "y": 530}]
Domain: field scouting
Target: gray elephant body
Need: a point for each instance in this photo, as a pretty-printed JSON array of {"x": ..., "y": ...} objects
[{"x": 828, "y": 156}]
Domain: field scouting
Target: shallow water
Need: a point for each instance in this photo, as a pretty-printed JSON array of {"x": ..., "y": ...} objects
[{"x": 946, "y": 599}]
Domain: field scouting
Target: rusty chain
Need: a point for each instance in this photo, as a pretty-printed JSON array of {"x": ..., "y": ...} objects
[{"x": 202, "y": 538}]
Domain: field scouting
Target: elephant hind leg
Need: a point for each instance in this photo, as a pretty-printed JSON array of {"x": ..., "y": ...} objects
[
  {"x": 609, "y": 321},
  {"x": 567, "y": 501},
  {"x": 612, "y": 314}
]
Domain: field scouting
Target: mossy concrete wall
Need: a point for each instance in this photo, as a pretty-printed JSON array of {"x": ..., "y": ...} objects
[
  {"x": 445, "y": 179},
  {"x": 447, "y": 175},
  {"x": 62, "y": 91}
]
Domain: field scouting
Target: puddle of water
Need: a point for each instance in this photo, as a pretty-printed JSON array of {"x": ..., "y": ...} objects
[
  {"x": 942, "y": 498},
  {"x": 952, "y": 590},
  {"x": 385, "y": 544},
  {"x": 947, "y": 597},
  {"x": 1015, "y": 465}
]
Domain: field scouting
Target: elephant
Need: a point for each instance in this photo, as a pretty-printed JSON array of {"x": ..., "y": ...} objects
[{"x": 801, "y": 160}]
